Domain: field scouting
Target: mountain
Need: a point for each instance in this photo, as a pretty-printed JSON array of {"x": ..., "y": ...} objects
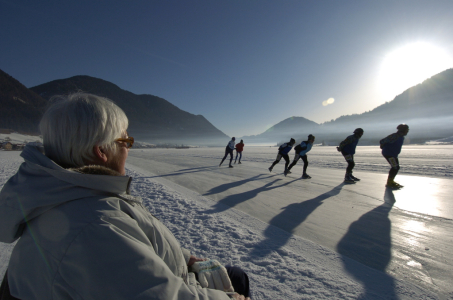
[
  {"x": 293, "y": 127},
  {"x": 427, "y": 108},
  {"x": 21, "y": 108},
  {"x": 151, "y": 119}
]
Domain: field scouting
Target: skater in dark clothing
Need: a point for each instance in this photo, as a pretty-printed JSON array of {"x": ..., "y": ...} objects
[
  {"x": 301, "y": 152},
  {"x": 391, "y": 147},
  {"x": 347, "y": 148},
  {"x": 229, "y": 150},
  {"x": 239, "y": 149},
  {"x": 283, "y": 151}
]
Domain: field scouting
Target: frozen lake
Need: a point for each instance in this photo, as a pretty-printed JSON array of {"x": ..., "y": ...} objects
[{"x": 406, "y": 233}]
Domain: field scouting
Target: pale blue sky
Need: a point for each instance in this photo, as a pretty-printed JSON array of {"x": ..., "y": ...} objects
[{"x": 244, "y": 65}]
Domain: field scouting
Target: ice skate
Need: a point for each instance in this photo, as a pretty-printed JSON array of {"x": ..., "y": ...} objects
[
  {"x": 393, "y": 185},
  {"x": 234, "y": 162},
  {"x": 354, "y": 178},
  {"x": 230, "y": 166},
  {"x": 348, "y": 179},
  {"x": 286, "y": 172},
  {"x": 239, "y": 163},
  {"x": 270, "y": 169},
  {"x": 306, "y": 176}
]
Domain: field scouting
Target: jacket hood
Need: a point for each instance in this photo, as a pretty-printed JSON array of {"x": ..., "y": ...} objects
[{"x": 40, "y": 184}]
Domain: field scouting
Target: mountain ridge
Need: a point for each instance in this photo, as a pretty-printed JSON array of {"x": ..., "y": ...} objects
[
  {"x": 427, "y": 107},
  {"x": 21, "y": 108},
  {"x": 151, "y": 118}
]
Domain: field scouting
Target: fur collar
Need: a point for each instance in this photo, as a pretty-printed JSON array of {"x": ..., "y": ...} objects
[{"x": 95, "y": 170}]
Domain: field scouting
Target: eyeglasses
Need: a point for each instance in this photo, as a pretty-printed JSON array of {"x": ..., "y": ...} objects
[{"x": 129, "y": 141}]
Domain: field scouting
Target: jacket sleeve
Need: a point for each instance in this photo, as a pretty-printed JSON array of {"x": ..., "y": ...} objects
[{"x": 114, "y": 259}]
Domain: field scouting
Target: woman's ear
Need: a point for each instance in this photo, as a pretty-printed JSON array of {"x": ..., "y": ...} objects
[{"x": 100, "y": 154}]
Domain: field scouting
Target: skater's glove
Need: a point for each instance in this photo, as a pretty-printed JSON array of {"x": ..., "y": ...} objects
[
  {"x": 211, "y": 274},
  {"x": 338, "y": 149}
]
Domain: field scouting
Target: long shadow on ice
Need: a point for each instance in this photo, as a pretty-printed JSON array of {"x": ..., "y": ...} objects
[
  {"x": 292, "y": 216},
  {"x": 185, "y": 171},
  {"x": 235, "y": 199},
  {"x": 368, "y": 242},
  {"x": 230, "y": 185}
]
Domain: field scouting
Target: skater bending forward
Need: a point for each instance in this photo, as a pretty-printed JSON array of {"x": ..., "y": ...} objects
[
  {"x": 301, "y": 152},
  {"x": 283, "y": 151},
  {"x": 229, "y": 150},
  {"x": 347, "y": 148},
  {"x": 80, "y": 233},
  {"x": 391, "y": 148}
]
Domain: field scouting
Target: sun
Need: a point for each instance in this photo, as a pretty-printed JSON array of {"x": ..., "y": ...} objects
[{"x": 410, "y": 65}]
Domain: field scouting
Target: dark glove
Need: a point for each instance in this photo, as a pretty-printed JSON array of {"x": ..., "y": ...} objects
[{"x": 338, "y": 149}]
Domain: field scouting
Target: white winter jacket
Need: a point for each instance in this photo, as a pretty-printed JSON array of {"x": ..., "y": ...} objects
[{"x": 82, "y": 236}]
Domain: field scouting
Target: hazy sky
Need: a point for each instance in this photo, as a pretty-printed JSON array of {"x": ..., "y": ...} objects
[{"x": 244, "y": 65}]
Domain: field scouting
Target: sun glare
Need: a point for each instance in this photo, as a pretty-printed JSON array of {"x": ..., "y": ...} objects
[{"x": 410, "y": 65}]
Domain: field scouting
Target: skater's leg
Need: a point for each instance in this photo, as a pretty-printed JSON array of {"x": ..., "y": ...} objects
[
  {"x": 350, "y": 160},
  {"x": 223, "y": 160},
  {"x": 395, "y": 167},
  {"x": 274, "y": 163},
  {"x": 226, "y": 154},
  {"x": 351, "y": 165},
  {"x": 304, "y": 158},
  {"x": 296, "y": 159},
  {"x": 237, "y": 153},
  {"x": 231, "y": 156},
  {"x": 286, "y": 157},
  {"x": 240, "y": 156},
  {"x": 277, "y": 160}
]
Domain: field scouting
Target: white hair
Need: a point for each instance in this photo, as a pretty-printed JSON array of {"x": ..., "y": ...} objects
[{"x": 74, "y": 124}]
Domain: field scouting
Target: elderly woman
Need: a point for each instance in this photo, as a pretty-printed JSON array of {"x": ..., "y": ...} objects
[{"x": 82, "y": 235}]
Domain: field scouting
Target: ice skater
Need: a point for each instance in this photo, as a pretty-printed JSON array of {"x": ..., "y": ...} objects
[
  {"x": 283, "y": 151},
  {"x": 229, "y": 150},
  {"x": 391, "y": 147},
  {"x": 301, "y": 152},
  {"x": 239, "y": 149},
  {"x": 347, "y": 148}
]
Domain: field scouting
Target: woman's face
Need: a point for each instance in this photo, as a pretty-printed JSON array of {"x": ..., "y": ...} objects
[{"x": 118, "y": 162}]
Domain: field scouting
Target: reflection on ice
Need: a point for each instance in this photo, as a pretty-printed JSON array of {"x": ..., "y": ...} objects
[
  {"x": 414, "y": 229},
  {"x": 415, "y": 264},
  {"x": 424, "y": 195}
]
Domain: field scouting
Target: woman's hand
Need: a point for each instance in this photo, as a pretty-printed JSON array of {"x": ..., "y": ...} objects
[{"x": 194, "y": 259}]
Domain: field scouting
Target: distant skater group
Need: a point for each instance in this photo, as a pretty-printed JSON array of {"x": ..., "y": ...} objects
[
  {"x": 391, "y": 148},
  {"x": 229, "y": 151}
]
